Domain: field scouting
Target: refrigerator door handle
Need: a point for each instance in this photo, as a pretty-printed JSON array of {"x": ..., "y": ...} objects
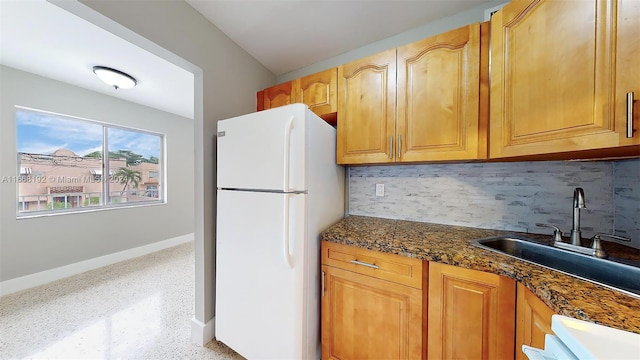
[
  {"x": 287, "y": 154},
  {"x": 287, "y": 255}
]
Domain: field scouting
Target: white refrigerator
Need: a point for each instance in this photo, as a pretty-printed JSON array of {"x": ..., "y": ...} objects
[{"x": 278, "y": 188}]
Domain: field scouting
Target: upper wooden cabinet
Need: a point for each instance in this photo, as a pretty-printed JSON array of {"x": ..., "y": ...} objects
[
  {"x": 471, "y": 314},
  {"x": 560, "y": 73},
  {"x": 260, "y": 100},
  {"x": 279, "y": 95},
  {"x": 318, "y": 91},
  {"x": 628, "y": 70},
  {"x": 367, "y": 109},
  {"x": 533, "y": 321},
  {"x": 441, "y": 85},
  {"x": 440, "y": 115}
]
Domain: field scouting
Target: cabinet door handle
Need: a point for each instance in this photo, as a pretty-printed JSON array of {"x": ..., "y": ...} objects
[
  {"x": 373, "y": 266},
  {"x": 323, "y": 283},
  {"x": 399, "y": 146},
  {"x": 390, "y": 147},
  {"x": 630, "y": 114}
]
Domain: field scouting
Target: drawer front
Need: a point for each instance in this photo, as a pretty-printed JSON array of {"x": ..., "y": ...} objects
[{"x": 391, "y": 267}]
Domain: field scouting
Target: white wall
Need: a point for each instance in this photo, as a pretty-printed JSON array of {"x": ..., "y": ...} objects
[
  {"x": 31, "y": 245},
  {"x": 455, "y": 21},
  {"x": 231, "y": 79}
]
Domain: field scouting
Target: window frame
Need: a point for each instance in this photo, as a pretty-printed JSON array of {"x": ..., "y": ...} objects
[{"x": 105, "y": 189}]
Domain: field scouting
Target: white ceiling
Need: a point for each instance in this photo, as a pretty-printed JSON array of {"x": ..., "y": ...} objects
[
  {"x": 286, "y": 35},
  {"x": 41, "y": 38}
]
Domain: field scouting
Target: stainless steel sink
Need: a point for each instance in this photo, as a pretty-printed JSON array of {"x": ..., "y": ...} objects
[{"x": 609, "y": 273}]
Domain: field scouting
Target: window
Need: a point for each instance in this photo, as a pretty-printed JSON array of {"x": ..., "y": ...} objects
[
  {"x": 62, "y": 162},
  {"x": 152, "y": 191}
]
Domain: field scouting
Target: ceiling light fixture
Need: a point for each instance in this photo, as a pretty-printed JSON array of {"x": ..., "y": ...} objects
[{"x": 115, "y": 78}]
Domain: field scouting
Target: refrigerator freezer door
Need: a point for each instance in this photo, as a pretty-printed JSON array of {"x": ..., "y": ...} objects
[
  {"x": 260, "y": 292},
  {"x": 264, "y": 150}
]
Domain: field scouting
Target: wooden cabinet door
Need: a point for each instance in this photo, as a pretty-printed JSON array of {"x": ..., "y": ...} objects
[
  {"x": 552, "y": 72},
  {"x": 260, "y": 100},
  {"x": 366, "y": 109},
  {"x": 628, "y": 69},
  {"x": 533, "y": 321},
  {"x": 438, "y": 97},
  {"x": 278, "y": 95},
  {"x": 319, "y": 91},
  {"x": 471, "y": 314},
  {"x": 368, "y": 318}
]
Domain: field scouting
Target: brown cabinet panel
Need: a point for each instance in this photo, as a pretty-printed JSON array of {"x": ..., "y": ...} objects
[
  {"x": 279, "y": 95},
  {"x": 471, "y": 314},
  {"x": 319, "y": 91},
  {"x": 552, "y": 75},
  {"x": 396, "y": 268},
  {"x": 442, "y": 102},
  {"x": 367, "y": 318},
  {"x": 533, "y": 321},
  {"x": 366, "y": 109},
  {"x": 628, "y": 69},
  {"x": 439, "y": 95},
  {"x": 260, "y": 100}
]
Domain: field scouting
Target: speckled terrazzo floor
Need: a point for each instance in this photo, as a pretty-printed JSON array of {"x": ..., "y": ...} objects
[{"x": 136, "y": 309}]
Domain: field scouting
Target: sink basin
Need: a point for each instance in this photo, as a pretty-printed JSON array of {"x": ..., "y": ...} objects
[{"x": 612, "y": 274}]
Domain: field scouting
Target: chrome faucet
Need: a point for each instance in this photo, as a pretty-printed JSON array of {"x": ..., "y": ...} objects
[
  {"x": 578, "y": 203},
  {"x": 575, "y": 243},
  {"x": 595, "y": 249}
]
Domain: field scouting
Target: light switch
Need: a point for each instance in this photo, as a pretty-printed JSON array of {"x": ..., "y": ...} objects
[{"x": 379, "y": 189}]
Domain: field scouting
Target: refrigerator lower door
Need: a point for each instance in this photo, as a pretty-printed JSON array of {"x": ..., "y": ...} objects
[{"x": 260, "y": 257}]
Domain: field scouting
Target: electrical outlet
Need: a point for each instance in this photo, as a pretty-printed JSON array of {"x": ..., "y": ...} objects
[{"x": 379, "y": 189}]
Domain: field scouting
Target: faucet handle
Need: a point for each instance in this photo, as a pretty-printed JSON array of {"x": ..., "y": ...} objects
[
  {"x": 596, "y": 245},
  {"x": 557, "y": 233},
  {"x": 617, "y": 237}
]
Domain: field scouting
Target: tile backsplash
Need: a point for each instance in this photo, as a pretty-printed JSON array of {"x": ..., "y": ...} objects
[{"x": 510, "y": 196}]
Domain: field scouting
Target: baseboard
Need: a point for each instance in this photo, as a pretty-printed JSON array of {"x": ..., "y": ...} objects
[
  {"x": 202, "y": 333},
  {"x": 43, "y": 277}
]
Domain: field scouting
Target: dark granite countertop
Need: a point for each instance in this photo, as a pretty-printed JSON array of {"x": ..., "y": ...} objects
[{"x": 452, "y": 245}]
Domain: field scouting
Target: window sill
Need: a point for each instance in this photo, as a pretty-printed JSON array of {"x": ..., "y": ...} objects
[{"x": 87, "y": 210}]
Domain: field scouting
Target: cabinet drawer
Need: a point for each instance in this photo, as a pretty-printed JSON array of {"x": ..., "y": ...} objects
[{"x": 391, "y": 267}]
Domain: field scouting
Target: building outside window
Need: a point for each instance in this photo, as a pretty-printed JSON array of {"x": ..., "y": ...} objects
[
  {"x": 61, "y": 164},
  {"x": 152, "y": 191}
]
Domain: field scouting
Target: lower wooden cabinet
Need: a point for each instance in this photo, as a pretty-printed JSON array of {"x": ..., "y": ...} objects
[
  {"x": 471, "y": 314},
  {"x": 533, "y": 321},
  {"x": 383, "y": 306},
  {"x": 364, "y": 316}
]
